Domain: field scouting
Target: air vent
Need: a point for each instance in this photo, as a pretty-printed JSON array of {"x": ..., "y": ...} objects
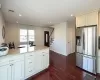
[{"x": 11, "y": 10}]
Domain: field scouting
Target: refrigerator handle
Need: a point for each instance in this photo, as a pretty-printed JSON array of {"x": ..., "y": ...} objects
[{"x": 83, "y": 41}]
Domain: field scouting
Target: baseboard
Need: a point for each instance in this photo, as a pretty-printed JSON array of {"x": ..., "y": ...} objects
[
  {"x": 61, "y": 54},
  {"x": 57, "y": 53},
  {"x": 98, "y": 74},
  {"x": 38, "y": 74}
]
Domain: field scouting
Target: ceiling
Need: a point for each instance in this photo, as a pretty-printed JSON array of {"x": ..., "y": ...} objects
[{"x": 45, "y": 12}]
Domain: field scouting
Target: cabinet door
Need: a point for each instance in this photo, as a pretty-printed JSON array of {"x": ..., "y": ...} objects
[
  {"x": 92, "y": 18},
  {"x": 5, "y": 72},
  {"x": 18, "y": 71},
  {"x": 45, "y": 60},
  {"x": 80, "y": 21},
  {"x": 39, "y": 61}
]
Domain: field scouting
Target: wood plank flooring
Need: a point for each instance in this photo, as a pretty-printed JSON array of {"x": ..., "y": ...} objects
[{"x": 64, "y": 68}]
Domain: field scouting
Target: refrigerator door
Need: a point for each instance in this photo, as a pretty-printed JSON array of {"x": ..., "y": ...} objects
[
  {"x": 85, "y": 41},
  {"x": 91, "y": 39}
]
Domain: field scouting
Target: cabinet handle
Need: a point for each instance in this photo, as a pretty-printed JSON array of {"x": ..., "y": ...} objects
[
  {"x": 11, "y": 64},
  {"x": 30, "y": 62},
  {"x": 30, "y": 71},
  {"x": 11, "y": 60}
]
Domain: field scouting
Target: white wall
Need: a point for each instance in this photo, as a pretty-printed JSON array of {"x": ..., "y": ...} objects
[
  {"x": 12, "y": 33},
  {"x": 60, "y": 39},
  {"x": 64, "y": 38},
  {"x": 71, "y": 36},
  {"x": 2, "y": 23}
]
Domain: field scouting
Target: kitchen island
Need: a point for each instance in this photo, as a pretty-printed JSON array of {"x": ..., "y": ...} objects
[{"x": 21, "y": 64}]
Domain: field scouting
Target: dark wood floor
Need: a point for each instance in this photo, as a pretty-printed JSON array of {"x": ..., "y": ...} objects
[{"x": 64, "y": 68}]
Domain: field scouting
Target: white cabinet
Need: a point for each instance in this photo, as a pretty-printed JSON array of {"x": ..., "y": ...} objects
[
  {"x": 92, "y": 18},
  {"x": 5, "y": 72},
  {"x": 87, "y": 19},
  {"x": 45, "y": 61},
  {"x": 13, "y": 70},
  {"x": 23, "y": 66},
  {"x": 30, "y": 64},
  {"x": 18, "y": 70},
  {"x": 39, "y": 61},
  {"x": 80, "y": 21},
  {"x": 36, "y": 62}
]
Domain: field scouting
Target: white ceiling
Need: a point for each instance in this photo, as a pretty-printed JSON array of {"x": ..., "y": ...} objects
[{"x": 42, "y": 12}]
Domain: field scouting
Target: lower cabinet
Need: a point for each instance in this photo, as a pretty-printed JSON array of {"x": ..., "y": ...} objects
[
  {"x": 5, "y": 72},
  {"x": 18, "y": 71},
  {"x": 45, "y": 62},
  {"x": 39, "y": 62},
  {"x": 30, "y": 65},
  {"x": 36, "y": 62},
  {"x": 14, "y": 71},
  {"x": 24, "y": 66}
]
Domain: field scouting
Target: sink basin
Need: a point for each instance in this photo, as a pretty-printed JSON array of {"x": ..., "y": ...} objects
[{"x": 4, "y": 51}]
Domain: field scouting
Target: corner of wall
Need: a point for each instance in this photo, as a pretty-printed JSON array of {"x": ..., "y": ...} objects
[{"x": 2, "y": 23}]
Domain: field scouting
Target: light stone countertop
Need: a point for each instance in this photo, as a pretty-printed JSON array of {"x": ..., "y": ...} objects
[{"x": 21, "y": 51}]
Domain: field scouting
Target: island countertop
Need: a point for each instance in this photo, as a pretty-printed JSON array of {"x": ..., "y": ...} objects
[{"x": 21, "y": 51}]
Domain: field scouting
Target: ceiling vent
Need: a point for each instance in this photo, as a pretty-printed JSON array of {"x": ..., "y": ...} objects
[{"x": 10, "y": 10}]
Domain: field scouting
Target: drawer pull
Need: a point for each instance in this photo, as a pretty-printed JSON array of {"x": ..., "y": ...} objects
[
  {"x": 30, "y": 71},
  {"x": 30, "y": 62},
  {"x": 11, "y": 60},
  {"x": 11, "y": 65}
]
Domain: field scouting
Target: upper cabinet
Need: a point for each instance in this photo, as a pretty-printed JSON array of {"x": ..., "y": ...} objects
[
  {"x": 92, "y": 19},
  {"x": 80, "y": 21},
  {"x": 87, "y": 19}
]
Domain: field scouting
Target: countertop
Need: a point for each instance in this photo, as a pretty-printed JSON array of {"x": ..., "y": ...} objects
[{"x": 25, "y": 50}]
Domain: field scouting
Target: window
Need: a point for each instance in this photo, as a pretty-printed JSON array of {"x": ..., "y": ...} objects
[
  {"x": 23, "y": 35},
  {"x": 31, "y": 35},
  {"x": 27, "y": 38}
]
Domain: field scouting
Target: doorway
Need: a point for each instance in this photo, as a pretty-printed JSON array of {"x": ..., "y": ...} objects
[{"x": 46, "y": 38}]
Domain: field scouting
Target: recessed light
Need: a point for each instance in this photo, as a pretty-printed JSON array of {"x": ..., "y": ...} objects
[
  {"x": 49, "y": 22},
  {"x": 20, "y": 15},
  {"x": 72, "y": 15},
  {"x": 16, "y": 21}
]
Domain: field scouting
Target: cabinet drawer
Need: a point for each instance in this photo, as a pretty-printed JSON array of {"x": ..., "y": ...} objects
[
  {"x": 4, "y": 62},
  {"x": 45, "y": 52},
  {"x": 29, "y": 62},
  {"x": 29, "y": 55},
  {"x": 29, "y": 72},
  {"x": 16, "y": 58}
]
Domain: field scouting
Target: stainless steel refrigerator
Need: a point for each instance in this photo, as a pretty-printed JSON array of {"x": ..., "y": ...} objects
[{"x": 86, "y": 48}]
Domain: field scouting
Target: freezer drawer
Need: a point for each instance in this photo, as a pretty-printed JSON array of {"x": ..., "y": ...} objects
[
  {"x": 87, "y": 63},
  {"x": 79, "y": 60}
]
